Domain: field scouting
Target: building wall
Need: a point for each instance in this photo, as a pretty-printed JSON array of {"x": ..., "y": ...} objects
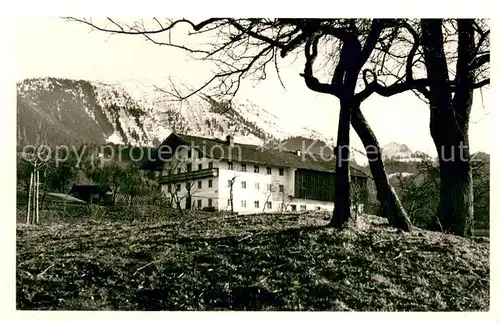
[
  {"x": 306, "y": 204},
  {"x": 219, "y": 193},
  {"x": 204, "y": 194}
]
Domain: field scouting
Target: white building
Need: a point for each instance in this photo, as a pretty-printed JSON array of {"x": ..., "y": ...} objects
[{"x": 199, "y": 172}]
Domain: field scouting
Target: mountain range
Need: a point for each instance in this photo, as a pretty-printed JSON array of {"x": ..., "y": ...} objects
[
  {"x": 58, "y": 111},
  {"x": 63, "y": 111}
]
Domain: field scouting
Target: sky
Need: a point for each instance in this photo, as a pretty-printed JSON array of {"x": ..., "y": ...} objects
[{"x": 66, "y": 49}]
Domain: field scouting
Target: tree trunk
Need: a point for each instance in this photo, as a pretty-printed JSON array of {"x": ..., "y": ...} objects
[
  {"x": 231, "y": 197},
  {"x": 392, "y": 208},
  {"x": 29, "y": 198},
  {"x": 44, "y": 188},
  {"x": 449, "y": 124},
  {"x": 37, "y": 187},
  {"x": 342, "y": 211},
  {"x": 455, "y": 211}
]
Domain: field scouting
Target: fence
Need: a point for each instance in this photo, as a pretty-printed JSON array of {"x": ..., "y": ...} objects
[{"x": 154, "y": 199}]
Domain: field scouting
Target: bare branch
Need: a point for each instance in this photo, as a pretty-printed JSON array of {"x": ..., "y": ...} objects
[{"x": 311, "y": 52}]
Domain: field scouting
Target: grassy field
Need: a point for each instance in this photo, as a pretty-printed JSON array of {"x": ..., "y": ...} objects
[{"x": 253, "y": 262}]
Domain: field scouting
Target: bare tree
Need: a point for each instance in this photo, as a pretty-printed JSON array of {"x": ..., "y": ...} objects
[
  {"x": 286, "y": 199},
  {"x": 455, "y": 55},
  {"x": 37, "y": 159},
  {"x": 173, "y": 168},
  {"x": 231, "y": 194},
  {"x": 420, "y": 193},
  {"x": 358, "y": 196},
  {"x": 271, "y": 189},
  {"x": 246, "y": 47}
]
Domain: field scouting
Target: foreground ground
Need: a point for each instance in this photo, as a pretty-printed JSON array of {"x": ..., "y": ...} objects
[{"x": 253, "y": 262}]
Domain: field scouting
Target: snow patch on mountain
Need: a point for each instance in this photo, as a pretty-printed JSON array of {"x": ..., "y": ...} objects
[{"x": 401, "y": 152}]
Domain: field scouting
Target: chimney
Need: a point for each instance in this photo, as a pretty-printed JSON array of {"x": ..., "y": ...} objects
[{"x": 230, "y": 140}]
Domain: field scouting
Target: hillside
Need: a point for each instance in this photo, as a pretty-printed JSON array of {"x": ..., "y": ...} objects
[
  {"x": 280, "y": 261},
  {"x": 62, "y": 111}
]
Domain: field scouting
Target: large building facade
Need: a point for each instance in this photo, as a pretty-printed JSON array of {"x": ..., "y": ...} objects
[{"x": 203, "y": 173}]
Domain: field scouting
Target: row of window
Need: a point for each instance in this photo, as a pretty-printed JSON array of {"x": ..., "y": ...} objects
[
  {"x": 281, "y": 188},
  {"x": 189, "y": 186},
  {"x": 243, "y": 168},
  {"x": 189, "y": 167},
  {"x": 269, "y": 205},
  {"x": 256, "y": 204},
  {"x": 256, "y": 168}
]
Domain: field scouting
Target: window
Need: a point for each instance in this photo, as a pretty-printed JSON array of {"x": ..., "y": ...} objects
[
  {"x": 243, "y": 167},
  {"x": 243, "y": 203},
  {"x": 318, "y": 208},
  {"x": 243, "y": 184},
  {"x": 189, "y": 154},
  {"x": 199, "y": 203},
  {"x": 303, "y": 207},
  {"x": 189, "y": 166},
  {"x": 282, "y": 206},
  {"x": 210, "y": 183},
  {"x": 199, "y": 184},
  {"x": 210, "y": 165},
  {"x": 268, "y": 187},
  {"x": 169, "y": 188},
  {"x": 178, "y": 171},
  {"x": 257, "y": 186},
  {"x": 200, "y": 166},
  {"x": 199, "y": 155},
  {"x": 256, "y": 169},
  {"x": 293, "y": 207},
  {"x": 282, "y": 172},
  {"x": 178, "y": 187},
  {"x": 256, "y": 203},
  {"x": 230, "y": 166},
  {"x": 229, "y": 202},
  {"x": 210, "y": 202},
  {"x": 282, "y": 188},
  {"x": 268, "y": 170},
  {"x": 269, "y": 205}
]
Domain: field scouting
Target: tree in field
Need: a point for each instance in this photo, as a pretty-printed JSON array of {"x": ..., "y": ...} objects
[
  {"x": 271, "y": 189},
  {"x": 451, "y": 103},
  {"x": 454, "y": 53},
  {"x": 359, "y": 195},
  {"x": 33, "y": 161},
  {"x": 420, "y": 193},
  {"x": 247, "y": 47},
  {"x": 231, "y": 193},
  {"x": 286, "y": 197},
  {"x": 173, "y": 168}
]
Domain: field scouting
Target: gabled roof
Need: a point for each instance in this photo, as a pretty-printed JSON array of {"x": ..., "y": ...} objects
[{"x": 267, "y": 156}]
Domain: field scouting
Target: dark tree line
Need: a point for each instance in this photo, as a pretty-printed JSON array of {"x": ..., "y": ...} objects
[
  {"x": 84, "y": 166},
  {"x": 359, "y": 57}
]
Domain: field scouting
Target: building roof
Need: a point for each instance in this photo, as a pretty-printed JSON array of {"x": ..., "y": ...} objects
[
  {"x": 65, "y": 197},
  {"x": 254, "y": 154}
]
